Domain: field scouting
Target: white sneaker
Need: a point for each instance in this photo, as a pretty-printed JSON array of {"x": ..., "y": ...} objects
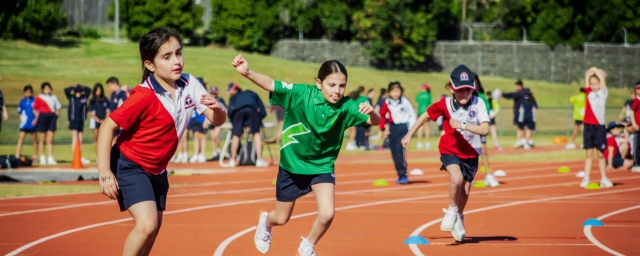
[
  {"x": 458, "y": 232},
  {"x": 517, "y": 145},
  {"x": 262, "y": 238},
  {"x": 232, "y": 163},
  {"x": 527, "y": 147},
  {"x": 351, "y": 146},
  {"x": 448, "y": 221},
  {"x": 419, "y": 145},
  {"x": 635, "y": 169},
  {"x": 184, "y": 159},
  {"x": 43, "y": 160},
  {"x": 584, "y": 182},
  {"x": 570, "y": 146},
  {"x": 491, "y": 181},
  {"x": 606, "y": 183},
  {"x": 201, "y": 158},
  {"x": 193, "y": 159},
  {"x": 305, "y": 250},
  {"x": 86, "y": 161},
  {"x": 51, "y": 161},
  {"x": 261, "y": 163},
  {"x": 427, "y": 145}
]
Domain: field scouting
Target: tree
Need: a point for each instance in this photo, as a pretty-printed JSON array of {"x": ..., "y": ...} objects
[
  {"x": 397, "y": 33},
  {"x": 246, "y": 24},
  {"x": 33, "y": 20},
  {"x": 141, "y": 16}
]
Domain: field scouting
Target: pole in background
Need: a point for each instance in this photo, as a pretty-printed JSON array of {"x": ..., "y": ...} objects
[
  {"x": 470, "y": 32},
  {"x": 99, "y": 15},
  {"x": 117, "y": 21},
  {"x": 524, "y": 34},
  {"x": 625, "y": 37}
]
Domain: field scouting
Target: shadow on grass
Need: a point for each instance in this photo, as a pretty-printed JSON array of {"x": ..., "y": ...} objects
[{"x": 62, "y": 42}]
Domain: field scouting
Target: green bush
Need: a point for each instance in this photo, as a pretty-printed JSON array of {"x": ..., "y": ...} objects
[
  {"x": 33, "y": 20},
  {"x": 86, "y": 32}
]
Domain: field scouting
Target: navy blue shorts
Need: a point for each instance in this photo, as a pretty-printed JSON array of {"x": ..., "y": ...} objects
[
  {"x": 577, "y": 122},
  {"x": 136, "y": 185},
  {"x": 47, "y": 122},
  {"x": 594, "y": 136},
  {"x": 28, "y": 130},
  {"x": 245, "y": 117},
  {"x": 291, "y": 186},
  {"x": 617, "y": 160},
  {"x": 196, "y": 127},
  {"x": 492, "y": 121},
  {"x": 469, "y": 167},
  {"x": 528, "y": 123},
  {"x": 76, "y": 125}
]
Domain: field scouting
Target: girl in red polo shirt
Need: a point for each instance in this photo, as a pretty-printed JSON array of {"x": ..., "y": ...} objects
[{"x": 152, "y": 120}]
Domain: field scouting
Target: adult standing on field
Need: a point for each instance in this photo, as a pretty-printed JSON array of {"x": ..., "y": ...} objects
[
  {"x": 518, "y": 97},
  {"x": 245, "y": 108},
  {"x": 5, "y": 115}
]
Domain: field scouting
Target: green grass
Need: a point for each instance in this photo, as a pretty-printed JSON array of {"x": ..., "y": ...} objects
[
  {"x": 13, "y": 190},
  {"x": 90, "y": 61}
]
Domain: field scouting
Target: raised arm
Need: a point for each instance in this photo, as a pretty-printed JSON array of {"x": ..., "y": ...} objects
[{"x": 242, "y": 66}]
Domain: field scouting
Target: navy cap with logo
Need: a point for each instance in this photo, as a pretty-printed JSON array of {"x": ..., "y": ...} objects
[
  {"x": 462, "y": 77},
  {"x": 231, "y": 86},
  {"x": 614, "y": 124}
]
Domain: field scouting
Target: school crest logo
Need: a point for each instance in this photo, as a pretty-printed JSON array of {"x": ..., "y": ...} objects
[
  {"x": 188, "y": 102},
  {"x": 472, "y": 114},
  {"x": 464, "y": 76}
]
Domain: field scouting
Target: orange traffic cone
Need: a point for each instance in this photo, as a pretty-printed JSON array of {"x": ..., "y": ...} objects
[{"x": 76, "y": 162}]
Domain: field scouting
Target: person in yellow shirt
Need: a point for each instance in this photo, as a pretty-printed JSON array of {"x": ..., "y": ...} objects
[{"x": 579, "y": 101}]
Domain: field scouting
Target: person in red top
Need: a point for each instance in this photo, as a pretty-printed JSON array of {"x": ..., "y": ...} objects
[
  {"x": 46, "y": 108},
  {"x": 594, "y": 132},
  {"x": 152, "y": 121},
  {"x": 617, "y": 148},
  {"x": 466, "y": 119},
  {"x": 635, "y": 118}
]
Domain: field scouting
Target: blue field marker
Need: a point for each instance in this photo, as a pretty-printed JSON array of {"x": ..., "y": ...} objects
[
  {"x": 593, "y": 222},
  {"x": 416, "y": 240}
]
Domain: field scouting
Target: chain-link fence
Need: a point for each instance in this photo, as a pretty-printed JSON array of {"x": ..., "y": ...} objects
[
  {"x": 550, "y": 121},
  {"x": 524, "y": 60}
]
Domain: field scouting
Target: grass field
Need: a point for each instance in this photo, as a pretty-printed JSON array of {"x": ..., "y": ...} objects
[{"x": 90, "y": 61}]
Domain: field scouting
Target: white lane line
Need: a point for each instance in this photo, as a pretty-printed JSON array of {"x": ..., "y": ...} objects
[
  {"x": 587, "y": 230},
  {"x": 27, "y": 246},
  {"x": 414, "y": 248},
  {"x": 220, "y": 250},
  {"x": 272, "y": 187}
]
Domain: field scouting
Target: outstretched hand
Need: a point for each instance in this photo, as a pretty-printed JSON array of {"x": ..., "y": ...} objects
[
  {"x": 365, "y": 108},
  {"x": 241, "y": 65},
  {"x": 211, "y": 103}
]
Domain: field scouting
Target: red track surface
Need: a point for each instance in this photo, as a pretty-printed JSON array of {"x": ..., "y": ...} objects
[{"x": 376, "y": 222}]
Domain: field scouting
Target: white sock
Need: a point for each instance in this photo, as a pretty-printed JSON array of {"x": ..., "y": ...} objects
[
  {"x": 530, "y": 142},
  {"x": 453, "y": 208},
  {"x": 305, "y": 243}
]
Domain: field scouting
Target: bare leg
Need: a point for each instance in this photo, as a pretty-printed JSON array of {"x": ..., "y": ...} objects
[
  {"x": 50, "y": 142},
  {"x": 235, "y": 142},
  {"x": 325, "y": 199},
  {"x": 494, "y": 135},
  {"x": 575, "y": 133},
  {"x": 519, "y": 135},
  {"x": 485, "y": 159},
  {"x": 95, "y": 140},
  {"x": 34, "y": 141},
  {"x": 19, "y": 145},
  {"x": 196, "y": 143},
  {"x": 528, "y": 134},
  {"x": 215, "y": 139},
  {"x": 587, "y": 163},
  {"x": 456, "y": 184},
  {"x": 74, "y": 139},
  {"x": 463, "y": 196},
  {"x": 281, "y": 214},
  {"x": 43, "y": 136},
  {"x": 257, "y": 143},
  {"x": 203, "y": 143},
  {"x": 145, "y": 217},
  {"x": 152, "y": 240},
  {"x": 80, "y": 140},
  {"x": 602, "y": 164}
]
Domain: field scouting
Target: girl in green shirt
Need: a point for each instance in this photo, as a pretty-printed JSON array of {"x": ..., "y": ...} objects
[
  {"x": 424, "y": 101},
  {"x": 314, "y": 124}
]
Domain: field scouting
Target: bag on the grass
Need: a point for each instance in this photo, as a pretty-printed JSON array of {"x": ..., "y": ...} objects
[
  {"x": 9, "y": 162},
  {"x": 247, "y": 155},
  {"x": 25, "y": 161}
]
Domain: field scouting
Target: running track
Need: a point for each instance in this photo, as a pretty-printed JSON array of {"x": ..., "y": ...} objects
[{"x": 535, "y": 211}]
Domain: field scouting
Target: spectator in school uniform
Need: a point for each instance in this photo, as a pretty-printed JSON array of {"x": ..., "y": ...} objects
[
  {"x": 78, "y": 96},
  {"x": 245, "y": 109},
  {"x": 518, "y": 97},
  {"x": 25, "y": 110},
  {"x": 5, "y": 115},
  {"x": 214, "y": 131},
  {"x": 46, "y": 108}
]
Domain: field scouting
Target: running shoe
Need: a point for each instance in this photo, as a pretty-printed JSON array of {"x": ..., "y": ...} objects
[
  {"x": 458, "y": 232},
  {"x": 606, "y": 183},
  {"x": 262, "y": 238},
  {"x": 584, "y": 182},
  {"x": 449, "y": 220},
  {"x": 305, "y": 250}
]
